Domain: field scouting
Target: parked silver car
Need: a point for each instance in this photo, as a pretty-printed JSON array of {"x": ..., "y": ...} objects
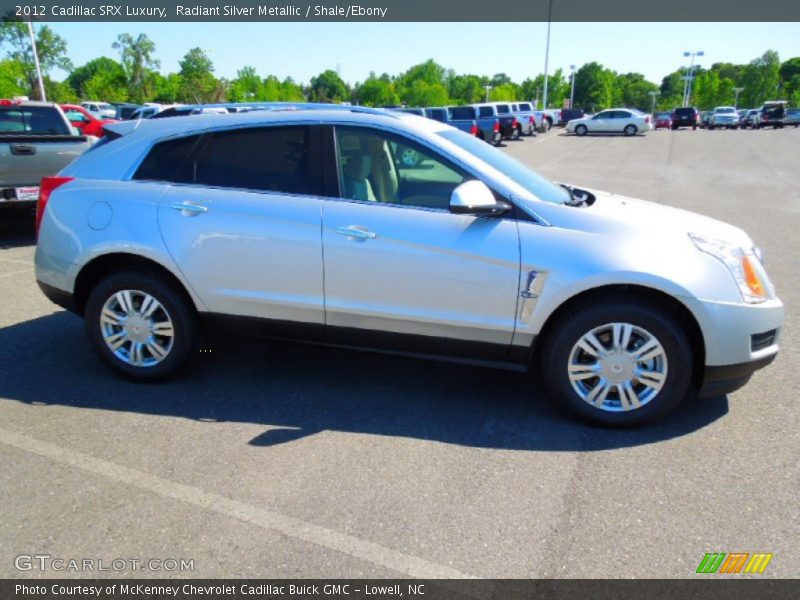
[
  {"x": 628, "y": 121},
  {"x": 304, "y": 223},
  {"x": 724, "y": 116}
]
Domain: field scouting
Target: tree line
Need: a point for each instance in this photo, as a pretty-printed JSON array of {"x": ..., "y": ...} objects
[{"x": 134, "y": 76}]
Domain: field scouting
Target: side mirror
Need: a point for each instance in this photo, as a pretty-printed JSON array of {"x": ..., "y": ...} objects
[{"x": 475, "y": 198}]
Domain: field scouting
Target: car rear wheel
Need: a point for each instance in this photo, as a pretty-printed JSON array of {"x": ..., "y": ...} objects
[
  {"x": 630, "y": 130},
  {"x": 620, "y": 364},
  {"x": 581, "y": 130},
  {"x": 140, "y": 325}
]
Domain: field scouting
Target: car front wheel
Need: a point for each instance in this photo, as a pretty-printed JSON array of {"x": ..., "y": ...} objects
[
  {"x": 581, "y": 130},
  {"x": 140, "y": 325},
  {"x": 618, "y": 364}
]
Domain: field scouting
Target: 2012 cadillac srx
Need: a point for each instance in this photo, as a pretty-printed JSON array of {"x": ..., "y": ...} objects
[{"x": 306, "y": 224}]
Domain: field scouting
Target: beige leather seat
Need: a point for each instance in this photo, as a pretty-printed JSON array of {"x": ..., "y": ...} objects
[{"x": 355, "y": 178}]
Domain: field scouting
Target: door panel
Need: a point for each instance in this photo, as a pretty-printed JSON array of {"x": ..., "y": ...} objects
[
  {"x": 248, "y": 253},
  {"x": 424, "y": 273}
]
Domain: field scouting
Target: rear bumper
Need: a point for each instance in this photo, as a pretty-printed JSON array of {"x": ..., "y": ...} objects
[
  {"x": 57, "y": 296},
  {"x": 721, "y": 380}
]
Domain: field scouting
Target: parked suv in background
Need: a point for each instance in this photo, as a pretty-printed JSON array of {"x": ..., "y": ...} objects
[
  {"x": 792, "y": 117},
  {"x": 233, "y": 219},
  {"x": 568, "y": 114},
  {"x": 687, "y": 116},
  {"x": 724, "y": 116},
  {"x": 526, "y": 117},
  {"x": 771, "y": 114},
  {"x": 101, "y": 110},
  {"x": 509, "y": 126},
  {"x": 467, "y": 120}
]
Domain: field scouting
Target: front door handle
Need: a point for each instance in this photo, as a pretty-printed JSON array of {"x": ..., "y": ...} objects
[
  {"x": 356, "y": 232},
  {"x": 189, "y": 209}
]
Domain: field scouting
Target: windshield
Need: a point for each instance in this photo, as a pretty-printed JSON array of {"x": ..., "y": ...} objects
[
  {"x": 104, "y": 106},
  {"x": 724, "y": 110},
  {"x": 535, "y": 184}
]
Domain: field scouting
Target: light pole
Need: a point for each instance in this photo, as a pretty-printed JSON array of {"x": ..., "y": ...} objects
[
  {"x": 43, "y": 98},
  {"x": 547, "y": 54},
  {"x": 687, "y": 86},
  {"x": 487, "y": 88},
  {"x": 737, "y": 91},
  {"x": 653, "y": 94},
  {"x": 572, "y": 91}
]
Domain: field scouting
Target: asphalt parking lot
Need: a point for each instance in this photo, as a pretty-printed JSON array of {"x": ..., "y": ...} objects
[{"x": 281, "y": 460}]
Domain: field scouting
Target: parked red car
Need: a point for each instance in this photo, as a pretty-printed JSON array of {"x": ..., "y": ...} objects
[
  {"x": 85, "y": 121},
  {"x": 662, "y": 119}
]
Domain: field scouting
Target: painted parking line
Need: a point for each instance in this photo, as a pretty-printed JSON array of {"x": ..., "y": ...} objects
[
  {"x": 407, "y": 564},
  {"x": 28, "y": 270}
]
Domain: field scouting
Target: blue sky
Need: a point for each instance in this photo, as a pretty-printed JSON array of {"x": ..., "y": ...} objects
[{"x": 303, "y": 50}]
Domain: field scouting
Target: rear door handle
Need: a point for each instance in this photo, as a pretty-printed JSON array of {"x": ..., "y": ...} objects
[
  {"x": 23, "y": 149},
  {"x": 189, "y": 209},
  {"x": 357, "y": 232}
]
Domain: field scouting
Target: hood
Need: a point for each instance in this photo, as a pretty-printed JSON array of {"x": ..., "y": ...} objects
[{"x": 613, "y": 213}]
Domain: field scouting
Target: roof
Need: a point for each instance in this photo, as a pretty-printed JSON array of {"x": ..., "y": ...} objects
[{"x": 287, "y": 113}]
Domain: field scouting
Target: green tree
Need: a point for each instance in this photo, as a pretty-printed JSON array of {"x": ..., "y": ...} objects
[
  {"x": 423, "y": 85},
  {"x": 328, "y": 87},
  {"x": 377, "y": 91},
  {"x": 198, "y": 83},
  {"x": 291, "y": 92},
  {"x": 59, "y": 91},
  {"x": 167, "y": 88},
  {"x": 761, "y": 79},
  {"x": 246, "y": 86},
  {"x": 100, "y": 79},
  {"x": 51, "y": 49},
  {"x": 13, "y": 79},
  {"x": 635, "y": 91},
  {"x": 504, "y": 92},
  {"x": 464, "y": 89},
  {"x": 596, "y": 87},
  {"x": 138, "y": 63}
]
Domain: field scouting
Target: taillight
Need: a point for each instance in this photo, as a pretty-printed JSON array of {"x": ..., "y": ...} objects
[
  {"x": 49, "y": 184},
  {"x": 647, "y": 119},
  {"x": 531, "y": 120},
  {"x": 474, "y": 129},
  {"x": 496, "y": 126},
  {"x": 514, "y": 123}
]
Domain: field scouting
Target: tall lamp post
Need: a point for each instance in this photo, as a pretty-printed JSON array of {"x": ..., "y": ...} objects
[
  {"x": 42, "y": 95},
  {"x": 653, "y": 94},
  {"x": 687, "y": 86},
  {"x": 737, "y": 91},
  {"x": 487, "y": 88},
  {"x": 572, "y": 91},
  {"x": 547, "y": 53}
]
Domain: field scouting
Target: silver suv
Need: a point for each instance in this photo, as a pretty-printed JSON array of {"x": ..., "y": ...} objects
[{"x": 307, "y": 224}]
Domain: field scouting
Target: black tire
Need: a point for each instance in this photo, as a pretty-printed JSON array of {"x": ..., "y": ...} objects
[
  {"x": 710, "y": 127},
  {"x": 694, "y": 127},
  {"x": 581, "y": 130},
  {"x": 564, "y": 335},
  {"x": 630, "y": 130},
  {"x": 674, "y": 128},
  {"x": 177, "y": 308}
]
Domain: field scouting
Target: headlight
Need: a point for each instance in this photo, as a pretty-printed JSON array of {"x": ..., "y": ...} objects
[{"x": 742, "y": 264}]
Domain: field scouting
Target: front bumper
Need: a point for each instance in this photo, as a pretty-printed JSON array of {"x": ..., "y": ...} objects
[{"x": 718, "y": 381}]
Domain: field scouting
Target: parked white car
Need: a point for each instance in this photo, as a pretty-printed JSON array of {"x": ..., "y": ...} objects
[
  {"x": 101, "y": 110},
  {"x": 724, "y": 116},
  {"x": 628, "y": 121},
  {"x": 306, "y": 223}
]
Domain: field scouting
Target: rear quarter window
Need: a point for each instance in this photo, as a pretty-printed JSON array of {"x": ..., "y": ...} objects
[
  {"x": 503, "y": 109},
  {"x": 485, "y": 111},
  {"x": 165, "y": 159},
  {"x": 525, "y": 107}
]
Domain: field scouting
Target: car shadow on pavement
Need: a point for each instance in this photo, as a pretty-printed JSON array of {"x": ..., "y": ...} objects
[
  {"x": 17, "y": 230},
  {"x": 296, "y": 390}
]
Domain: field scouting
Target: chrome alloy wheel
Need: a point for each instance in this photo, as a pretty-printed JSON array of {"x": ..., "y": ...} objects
[
  {"x": 137, "y": 328},
  {"x": 617, "y": 367}
]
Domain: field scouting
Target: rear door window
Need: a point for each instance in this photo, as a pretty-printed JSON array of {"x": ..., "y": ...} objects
[
  {"x": 485, "y": 111},
  {"x": 525, "y": 107},
  {"x": 269, "y": 159},
  {"x": 503, "y": 109}
]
